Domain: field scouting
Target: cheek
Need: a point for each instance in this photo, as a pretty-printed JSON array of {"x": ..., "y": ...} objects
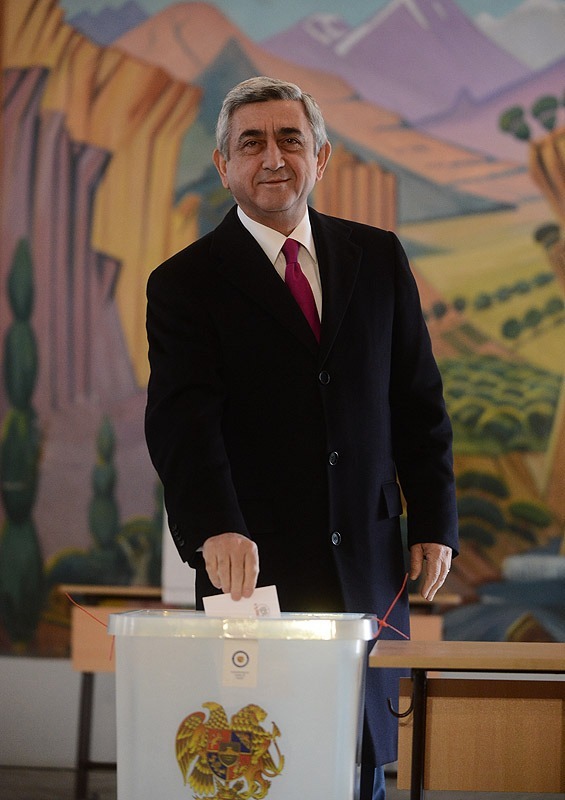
[{"x": 242, "y": 177}]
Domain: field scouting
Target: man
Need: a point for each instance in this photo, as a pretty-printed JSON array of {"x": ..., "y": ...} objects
[{"x": 279, "y": 438}]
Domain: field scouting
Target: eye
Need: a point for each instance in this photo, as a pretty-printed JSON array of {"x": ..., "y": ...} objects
[{"x": 251, "y": 146}]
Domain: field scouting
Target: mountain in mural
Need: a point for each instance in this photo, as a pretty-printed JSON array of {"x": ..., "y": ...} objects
[
  {"x": 521, "y": 31},
  {"x": 466, "y": 182},
  {"x": 475, "y": 124},
  {"x": 183, "y": 38},
  {"x": 109, "y": 23},
  {"x": 413, "y": 56}
]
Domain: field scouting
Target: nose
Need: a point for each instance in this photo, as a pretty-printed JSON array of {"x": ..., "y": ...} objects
[{"x": 272, "y": 156}]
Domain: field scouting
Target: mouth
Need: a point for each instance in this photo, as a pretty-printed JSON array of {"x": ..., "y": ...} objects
[{"x": 274, "y": 181}]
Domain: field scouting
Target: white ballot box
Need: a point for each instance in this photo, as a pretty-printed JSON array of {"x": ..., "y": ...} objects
[{"x": 238, "y": 709}]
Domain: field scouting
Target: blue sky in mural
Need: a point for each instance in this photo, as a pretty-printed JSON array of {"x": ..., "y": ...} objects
[{"x": 262, "y": 18}]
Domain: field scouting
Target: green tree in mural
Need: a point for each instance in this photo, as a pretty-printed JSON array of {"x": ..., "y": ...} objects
[
  {"x": 531, "y": 513},
  {"x": 141, "y": 540},
  {"x": 104, "y": 562},
  {"x": 22, "y": 585},
  {"x": 513, "y": 121},
  {"x": 107, "y": 559},
  {"x": 548, "y": 235},
  {"x": 439, "y": 309},
  {"x": 512, "y": 328},
  {"x": 482, "y": 301},
  {"x": 484, "y": 513},
  {"x": 103, "y": 515},
  {"x": 554, "y": 306},
  {"x": 535, "y": 319},
  {"x": 498, "y": 406},
  {"x": 122, "y": 553},
  {"x": 543, "y": 111}
]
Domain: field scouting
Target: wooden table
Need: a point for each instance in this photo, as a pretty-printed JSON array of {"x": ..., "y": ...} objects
[
  {"x": 488, "y": 657},
  {"x": 100, "y": 592}
]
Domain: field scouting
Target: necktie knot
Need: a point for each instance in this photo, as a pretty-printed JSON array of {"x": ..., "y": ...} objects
[{"x": 290, "y": 251}]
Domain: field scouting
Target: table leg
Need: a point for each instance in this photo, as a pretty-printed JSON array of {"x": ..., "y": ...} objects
[
  {"x": 84, "y": 730},
  {"x": 420, "y": 683}
]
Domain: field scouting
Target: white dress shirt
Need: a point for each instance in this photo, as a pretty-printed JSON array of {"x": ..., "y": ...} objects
[{"x": 271, "y": 242}]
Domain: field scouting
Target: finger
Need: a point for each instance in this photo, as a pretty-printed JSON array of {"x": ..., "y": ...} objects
[
  {"x": 428, "y": 593},
  {"x": 225, "y": 572},
  {"x": 437, "y": 571},
  {"x": 416, "y": 561},
  {"x": 251, "y": 572},
  {"x": 211, "y": 563},
  {"x": 245, "y": 571},
  {"x": 431, "y": 579},
  {"x": 237, "y": 577}
]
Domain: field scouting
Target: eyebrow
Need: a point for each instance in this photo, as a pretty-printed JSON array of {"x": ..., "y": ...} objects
[
  {"x": 256, "y": 133},
  {"x": 291, "y": 132}
]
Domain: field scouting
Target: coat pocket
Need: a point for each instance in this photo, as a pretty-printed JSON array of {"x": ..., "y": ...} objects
[{"x": 390, "y": 504}]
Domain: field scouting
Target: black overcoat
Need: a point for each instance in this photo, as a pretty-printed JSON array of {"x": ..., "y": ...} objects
[{"x": 255, "y": 428}]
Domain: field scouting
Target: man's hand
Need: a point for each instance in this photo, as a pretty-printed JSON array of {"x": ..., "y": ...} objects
[
  {"x": 232, "y": 563},
  {"x": 437, "y": 560}
]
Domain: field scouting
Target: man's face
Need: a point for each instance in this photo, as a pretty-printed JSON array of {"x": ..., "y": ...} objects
[{"x": 272, "y": 166}]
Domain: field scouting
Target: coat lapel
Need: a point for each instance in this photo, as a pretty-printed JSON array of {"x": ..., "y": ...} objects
[
  {"x": 338, "y": 260},
  {"x": 242, "y": 261}
]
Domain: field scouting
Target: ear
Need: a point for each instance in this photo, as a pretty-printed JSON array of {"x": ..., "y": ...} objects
[
  {"x": 221, "y": 165},
  {"x": 322, "y": 159}
]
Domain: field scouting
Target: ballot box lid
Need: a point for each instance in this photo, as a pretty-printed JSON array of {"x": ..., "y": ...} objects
[{"x": 196, "y": 624}]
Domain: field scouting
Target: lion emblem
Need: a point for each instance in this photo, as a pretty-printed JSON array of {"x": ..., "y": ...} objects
[{"x": 225, "y": 760}]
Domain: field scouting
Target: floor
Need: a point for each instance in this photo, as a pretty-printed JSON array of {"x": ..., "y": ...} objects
[{"x": 46, "y": 784}]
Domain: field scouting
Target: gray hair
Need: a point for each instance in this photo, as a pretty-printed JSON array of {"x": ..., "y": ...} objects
[{"x": 259, "y": 90}]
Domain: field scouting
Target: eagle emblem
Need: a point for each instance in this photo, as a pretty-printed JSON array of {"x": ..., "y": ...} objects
[{"x": 225, "y": 760}]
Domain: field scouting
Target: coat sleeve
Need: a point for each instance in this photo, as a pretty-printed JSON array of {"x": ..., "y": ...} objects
[
  {"x": 185, "y": 398},
  {"x": 421, "y": 429}
]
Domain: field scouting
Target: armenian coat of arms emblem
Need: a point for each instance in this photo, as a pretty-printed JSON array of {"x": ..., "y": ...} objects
[{"x": 228, "y": 760}]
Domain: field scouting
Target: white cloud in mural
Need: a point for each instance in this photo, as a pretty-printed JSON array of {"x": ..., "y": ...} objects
[{"x": 521, "y": 31}]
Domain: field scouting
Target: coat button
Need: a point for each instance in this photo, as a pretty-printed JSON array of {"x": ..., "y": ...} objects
[
  {"x": 336, "y": 538},
  {"x": 333, "y": 458},
  {"x": 324, "y": 377}
]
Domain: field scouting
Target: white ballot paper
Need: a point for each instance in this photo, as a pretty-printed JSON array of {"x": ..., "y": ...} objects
[{"x": 264, "y": 602}]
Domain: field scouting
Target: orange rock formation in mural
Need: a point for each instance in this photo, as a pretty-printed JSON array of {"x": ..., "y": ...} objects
[{"x": 137, "y": 113}]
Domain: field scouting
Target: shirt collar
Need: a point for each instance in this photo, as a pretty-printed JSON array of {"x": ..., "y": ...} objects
[{"x": 271, "y": 241}]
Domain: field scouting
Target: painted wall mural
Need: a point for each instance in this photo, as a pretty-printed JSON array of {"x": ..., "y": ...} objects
[{"x": 448, "y": 125}]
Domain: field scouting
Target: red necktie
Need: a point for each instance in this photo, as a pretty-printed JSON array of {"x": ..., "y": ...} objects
[{"x": 299, "y": 286}]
